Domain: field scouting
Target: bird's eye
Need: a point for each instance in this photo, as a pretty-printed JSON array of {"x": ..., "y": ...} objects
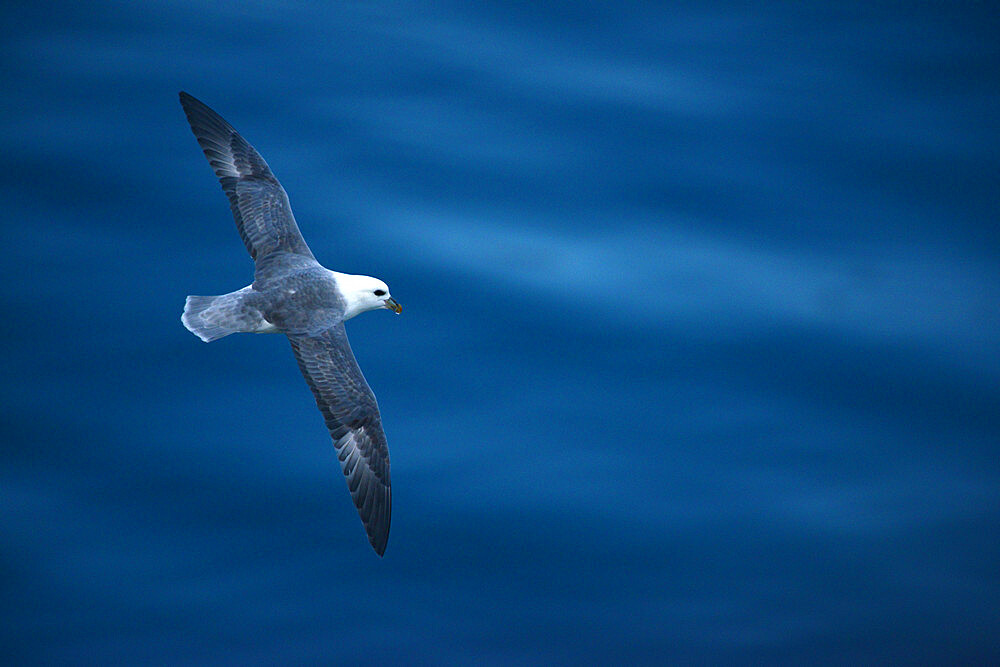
[{"x": 380, "y": 292}]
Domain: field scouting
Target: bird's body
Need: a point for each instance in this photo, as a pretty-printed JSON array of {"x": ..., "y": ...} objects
[
  {"x": 294, "y": 295},
  {"x": 301, "y": 299}
]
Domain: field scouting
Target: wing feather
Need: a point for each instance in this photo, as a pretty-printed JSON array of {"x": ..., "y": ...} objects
[
  {"x": 260, "y": 206},
  {"x": 351, "y": 413}
]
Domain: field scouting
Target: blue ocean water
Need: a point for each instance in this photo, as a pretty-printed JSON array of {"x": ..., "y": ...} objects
[{"x": 698, "y": 360}]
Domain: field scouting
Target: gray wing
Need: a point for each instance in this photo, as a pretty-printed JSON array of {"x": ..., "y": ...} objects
[
  {"x": 260, "y": 205},
  {"x": 351, "y": 414}
]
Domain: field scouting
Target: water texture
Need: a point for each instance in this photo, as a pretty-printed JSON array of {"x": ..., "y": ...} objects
[{"x": 698, "y": 360}]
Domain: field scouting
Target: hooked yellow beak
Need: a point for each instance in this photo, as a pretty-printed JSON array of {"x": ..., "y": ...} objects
[{"x": 393, "y": 305}]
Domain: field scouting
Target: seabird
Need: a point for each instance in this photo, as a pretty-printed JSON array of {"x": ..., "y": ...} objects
[{"x": 294, "y": 295}]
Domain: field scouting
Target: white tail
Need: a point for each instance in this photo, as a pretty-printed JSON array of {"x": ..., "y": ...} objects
[
  {"x": 212, "y": 317},
  {"x": 205, "y": 319}
]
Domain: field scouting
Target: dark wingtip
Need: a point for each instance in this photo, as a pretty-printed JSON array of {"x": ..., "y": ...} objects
[
  {"x": 379, "y": 542},
  {"x": 189, "y": 102}
]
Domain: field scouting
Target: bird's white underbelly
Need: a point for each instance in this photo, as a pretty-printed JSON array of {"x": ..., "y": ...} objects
[{"x": 266, "y": 327}]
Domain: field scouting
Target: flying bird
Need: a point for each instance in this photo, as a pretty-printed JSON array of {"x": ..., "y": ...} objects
[{"x": 294, "y": 295}]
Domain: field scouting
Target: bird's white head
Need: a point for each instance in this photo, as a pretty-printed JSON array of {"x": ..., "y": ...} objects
[{"x": 363, "y": 293}]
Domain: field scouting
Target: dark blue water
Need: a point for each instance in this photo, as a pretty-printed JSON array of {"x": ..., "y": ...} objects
[{"x": 699, "y": 357}]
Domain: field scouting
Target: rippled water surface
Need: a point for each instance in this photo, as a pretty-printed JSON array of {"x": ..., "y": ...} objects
[{"x": 698, "y": 360}]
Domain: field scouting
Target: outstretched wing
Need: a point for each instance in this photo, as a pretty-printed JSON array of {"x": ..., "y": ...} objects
[
  {"x": 260, "y": 205},
  {"x": 351, "y": 414}
]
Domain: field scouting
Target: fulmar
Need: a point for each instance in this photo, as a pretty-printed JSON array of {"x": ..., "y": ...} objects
[{"x": 293, "y": 294}]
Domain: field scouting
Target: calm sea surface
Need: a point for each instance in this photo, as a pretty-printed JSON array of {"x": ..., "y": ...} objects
[{"x": 698, "y": 362}]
